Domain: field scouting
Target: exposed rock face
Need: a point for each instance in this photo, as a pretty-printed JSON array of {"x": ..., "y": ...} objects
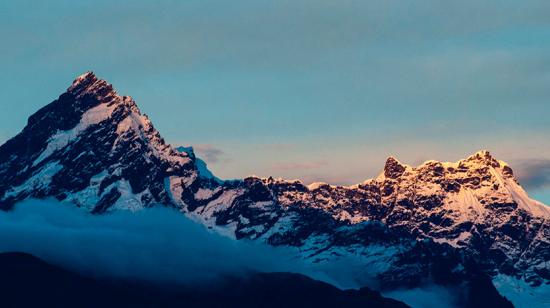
[
  {"x": 91, "y": 147},
  {"x": 393, "y": 169},
  {"x": 94, "y": 148}
]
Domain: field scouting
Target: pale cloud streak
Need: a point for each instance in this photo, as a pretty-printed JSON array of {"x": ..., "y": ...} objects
[{"x": 209, "y": 152}]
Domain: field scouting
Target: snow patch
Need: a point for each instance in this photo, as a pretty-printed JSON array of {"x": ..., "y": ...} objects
[
  {"x": 128, "y": 200},
  {"x": 61, "y": 139},
  {"x": 89, "y": 196},
  {"x": 38, "y": 181},
  {"x": 203, "y": 194}
]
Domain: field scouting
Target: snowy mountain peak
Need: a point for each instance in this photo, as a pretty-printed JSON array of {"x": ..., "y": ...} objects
[
  {"x": 93, "y": 148},
  {"x": 96, "y": 150},
  {"x": 89, "y": 84},
  {"x": 482, "y": 153},
  {"x": 393, "y": 168},
  {"x": 483, "y": 157},
  {"x": 88, "y": 78}
]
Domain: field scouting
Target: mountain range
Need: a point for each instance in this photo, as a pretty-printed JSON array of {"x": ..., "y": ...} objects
[{"x": 443, "y": 223}]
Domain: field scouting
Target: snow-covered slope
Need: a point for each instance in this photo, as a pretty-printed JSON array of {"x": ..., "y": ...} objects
[{"x": 439, "y": 221}]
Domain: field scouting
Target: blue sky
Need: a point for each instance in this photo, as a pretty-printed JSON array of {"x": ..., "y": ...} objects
[{"x": 317, "y": 90}]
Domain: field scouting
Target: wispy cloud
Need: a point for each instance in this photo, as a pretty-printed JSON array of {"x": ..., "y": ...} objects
[
  {"x": 209, "y": 152},
  {"x": 534, "y": 174},
  {"x": 287, "y": 166},
  {"x": 149, "y": 246}
]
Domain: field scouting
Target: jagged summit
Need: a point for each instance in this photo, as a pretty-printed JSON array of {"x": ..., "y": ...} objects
[
  {"x": 89, "y": 84},
  {"x": 393, "y": 168},
  {"x": 87, "y": 78},
  {"x": 90, "y": 139},
  {"x": 88, "y": 75},
  {"x": 482, "y": 153},
  {"x": 484, "y": 157},
  {"x": 96, "y": 150}
]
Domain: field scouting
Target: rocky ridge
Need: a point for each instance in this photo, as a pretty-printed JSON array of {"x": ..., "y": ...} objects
[{"x": 439, "y": 221}]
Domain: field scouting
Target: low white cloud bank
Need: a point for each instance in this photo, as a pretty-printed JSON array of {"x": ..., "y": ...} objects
[
  {"x": 160, "y": 244},
  {"x": 153, "y": 244}
]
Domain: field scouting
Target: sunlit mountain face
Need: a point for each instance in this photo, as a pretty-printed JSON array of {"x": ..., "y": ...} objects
[{"x": 89, "y": 174}]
